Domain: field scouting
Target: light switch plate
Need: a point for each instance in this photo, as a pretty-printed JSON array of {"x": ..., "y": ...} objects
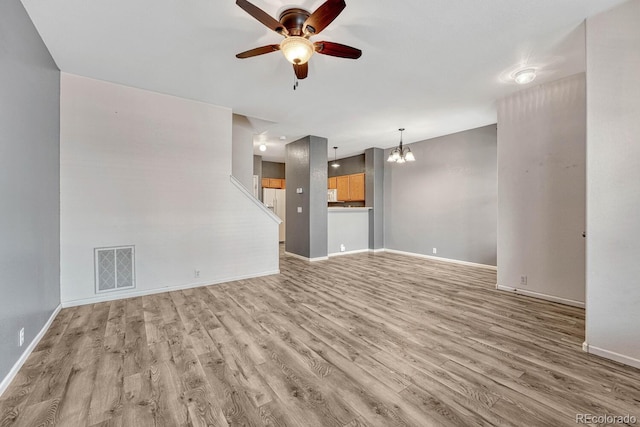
[
  {"x": 299, "y": 209},
  {"x": 299, "y": 190}
]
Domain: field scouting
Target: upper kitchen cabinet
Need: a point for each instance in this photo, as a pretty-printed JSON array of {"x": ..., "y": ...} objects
[
  {"x": 342, "y": 184},
  {"x": 332, "y": 183},
  {"x": 350, "y": 187},
  {"x": 273, "y": 183},
  {"x": 356, "y": 186}
]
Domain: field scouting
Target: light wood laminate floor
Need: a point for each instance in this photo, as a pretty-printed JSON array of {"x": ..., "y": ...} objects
[{"x": 367, "y": 339}]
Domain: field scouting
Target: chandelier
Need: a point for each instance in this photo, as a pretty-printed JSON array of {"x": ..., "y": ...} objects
[{"x": 399, "y": 154}]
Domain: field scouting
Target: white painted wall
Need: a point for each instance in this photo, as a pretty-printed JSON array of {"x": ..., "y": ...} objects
[
  {"x": 151, "y": 170},
  {"x": 613, "y": 177},
  {"x": 541, "y": 190},
  {"x": 242, "y": 151}
]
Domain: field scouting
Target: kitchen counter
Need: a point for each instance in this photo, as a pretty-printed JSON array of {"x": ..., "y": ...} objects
[
  {"x": 345, "y": 208},
  {"x": 347, "y": 230}
]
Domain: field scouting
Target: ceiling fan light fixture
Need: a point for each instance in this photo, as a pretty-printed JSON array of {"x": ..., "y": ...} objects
[
  {"x": 525, "y": 76},
  {"x": 296, "y": 49}
]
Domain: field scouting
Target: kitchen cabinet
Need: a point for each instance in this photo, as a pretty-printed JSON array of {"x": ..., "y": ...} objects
[
  {"x": 332, "y": 184},
  {"x": 273, "y": 183},
  {"x": 342, "y": 184},
  {"x": 350, "y": 187},
  {"x": 356, "y": 186}
]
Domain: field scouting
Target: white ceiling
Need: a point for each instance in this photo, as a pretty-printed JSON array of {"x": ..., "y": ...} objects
[{"x": 434, "y": 67}]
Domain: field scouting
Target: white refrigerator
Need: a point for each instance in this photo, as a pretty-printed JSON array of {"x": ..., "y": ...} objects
[{"x": 275, "y": 199}]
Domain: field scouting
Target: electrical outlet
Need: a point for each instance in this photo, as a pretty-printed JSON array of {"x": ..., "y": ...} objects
[
  {"x": 299, "y": 209},
  {"x": 21, "y": 337},
  {"x": 196, "y": 273},
  {"x": 342, "y": 248},
  {"x": 523, "y": 280},
  {"x": 435, "y": 250}
]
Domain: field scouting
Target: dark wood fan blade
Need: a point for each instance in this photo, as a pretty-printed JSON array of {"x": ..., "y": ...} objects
[
  {"x": 323, "y": 16},
  {"x": 302, "y": 70},
  {"x": 258, "y": 51},
  {"x": 337, "y": 49},
  {"x": 262, "y": 16}
]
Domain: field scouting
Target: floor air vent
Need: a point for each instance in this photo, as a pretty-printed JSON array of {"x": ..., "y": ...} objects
[{"x": 114, "y": 268}]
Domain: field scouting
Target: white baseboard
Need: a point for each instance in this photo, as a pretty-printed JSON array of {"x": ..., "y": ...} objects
[
  {"x": 376, "y": 250},
  {"x": 538, "y": 295},
  {"x": 357, "y": 251},
  {"x": 612, "y": 355},
  {"x": 140, "y": 293},
  {"x": 27, "y": 352},
  {"x": 304, "y": 258},
  {"x": 435, "y": 258}
]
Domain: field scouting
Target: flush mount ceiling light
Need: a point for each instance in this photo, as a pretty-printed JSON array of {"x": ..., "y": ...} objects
[
  {"x": 399, "y": 154},
  {"x": 525, "y": 76},
  {"x": 263, "y": 147},
  {"x": 335, "y": 163}
]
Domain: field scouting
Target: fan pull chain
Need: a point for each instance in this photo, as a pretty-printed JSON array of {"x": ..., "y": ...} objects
[{"x": 295, "y": 82}]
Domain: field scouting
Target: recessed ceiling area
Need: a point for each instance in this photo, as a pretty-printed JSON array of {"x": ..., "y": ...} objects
[{"x": 433, "y": 67}]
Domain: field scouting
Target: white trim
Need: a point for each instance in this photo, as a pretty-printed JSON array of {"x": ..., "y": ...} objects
[
  {"x": 538, "y": 295},
  {"x": 27, "y": 352},
  {"x": 435, "y": 258},
  {"x": 375, "y": 251},
  {"x": 617, "y": 357},
  {"x": 141, "y": 293},
  {"x": 304, "y": 258},
  {"x": 357, "y": 251},
  {"x": 255, "y": 201}
]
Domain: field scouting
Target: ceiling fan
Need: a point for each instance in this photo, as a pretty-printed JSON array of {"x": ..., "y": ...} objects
[{"x": 297, "y": 25}]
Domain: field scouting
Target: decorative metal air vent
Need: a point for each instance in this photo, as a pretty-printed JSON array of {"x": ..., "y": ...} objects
[{"x": 114, "y": 268}]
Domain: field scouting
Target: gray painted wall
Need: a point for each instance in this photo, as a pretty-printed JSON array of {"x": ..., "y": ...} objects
[
  {"x": 374, "y": 195},
  {"x": 613, "y": 177},
  {"x": 318, "y": 208},
  {"x": 257, "y": 170},
  {"x": 348, "y": 166},
  {"x": 273, "y": 170},
  {"x": 242, "y": 151},
  {"x": 446, "y": 199},
  {"x": 348, "y": 227},
  {"x": 29, "y": 182},
  {"x": 541, "y": 181},
  {"x": 306, "y": 168}
]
